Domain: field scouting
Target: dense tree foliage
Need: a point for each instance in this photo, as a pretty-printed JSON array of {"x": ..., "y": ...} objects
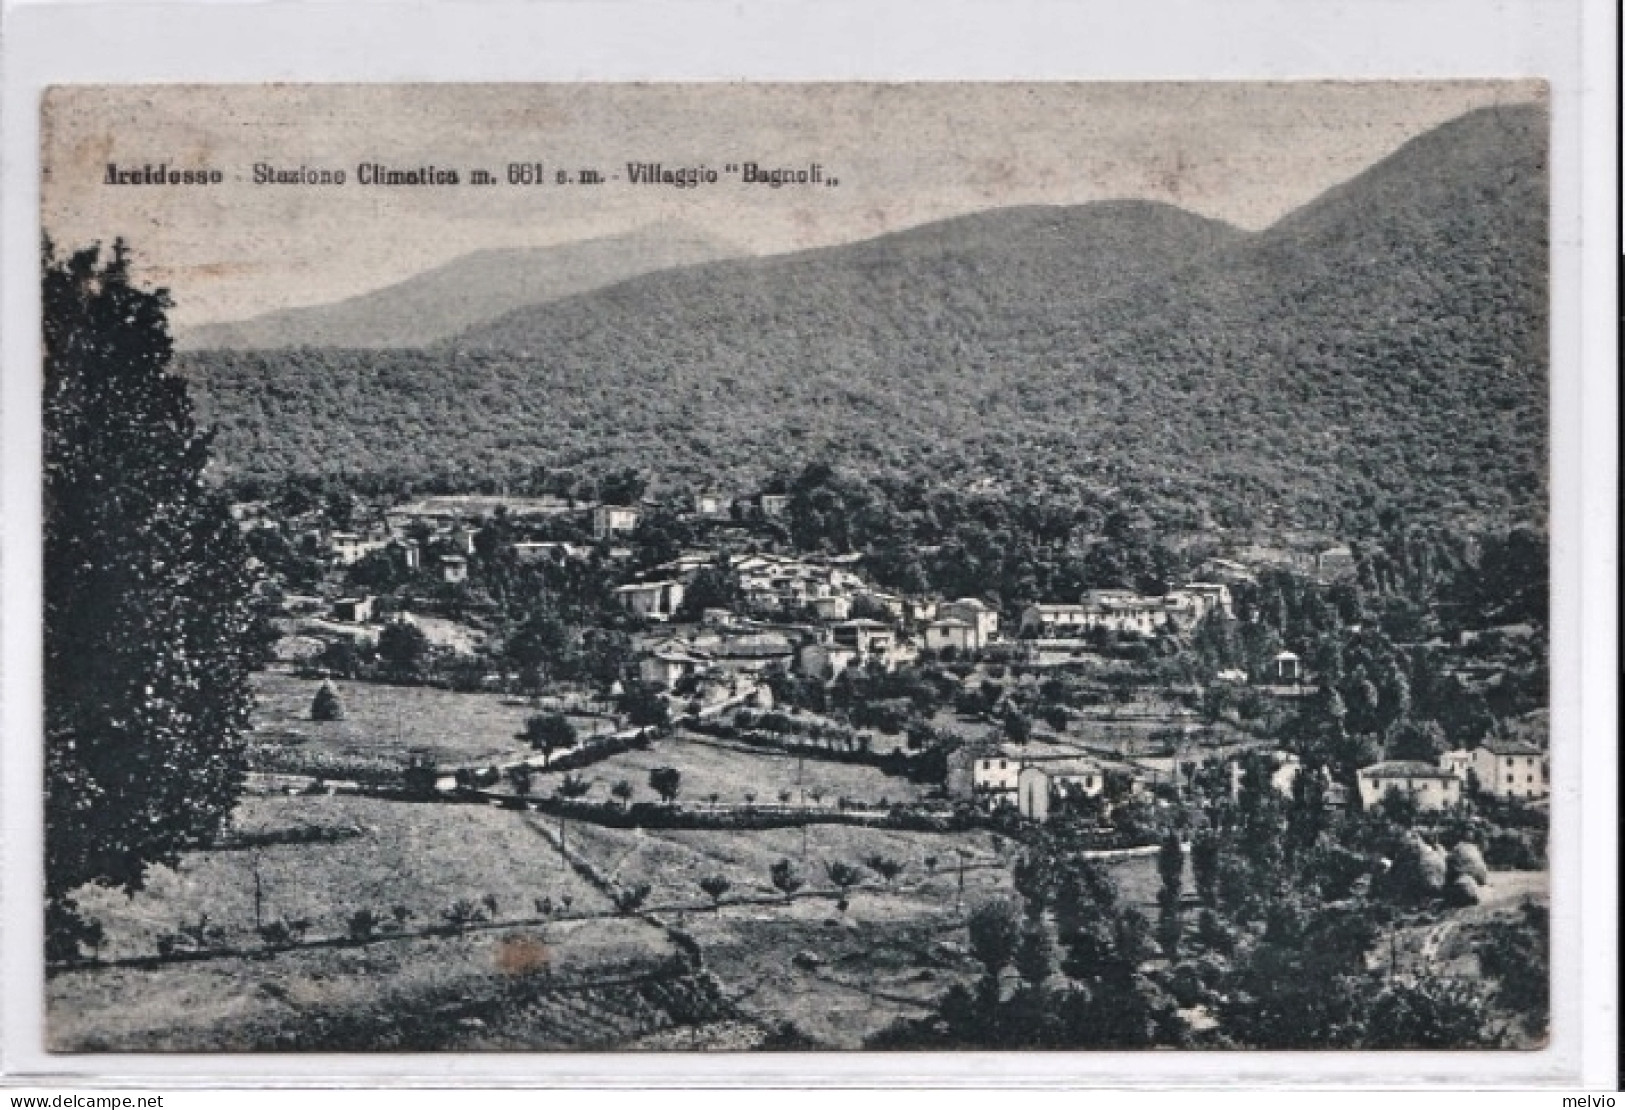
[{"x": 147, "y": 592}]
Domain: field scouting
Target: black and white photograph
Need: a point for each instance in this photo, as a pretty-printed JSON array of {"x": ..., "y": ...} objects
[{"x": 796, "y": 568}]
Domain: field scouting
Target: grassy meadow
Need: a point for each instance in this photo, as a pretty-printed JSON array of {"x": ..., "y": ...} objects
[{"x": 382, "y": 727}]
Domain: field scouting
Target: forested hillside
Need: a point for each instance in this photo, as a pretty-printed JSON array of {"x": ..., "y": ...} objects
[{"x": 1383, "y": 345}]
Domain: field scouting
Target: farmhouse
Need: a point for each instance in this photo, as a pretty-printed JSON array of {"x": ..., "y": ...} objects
[
  {"x": 748, "y": 653},
  {"x": 982, "y": 617},
  {"x": 454, "y": 568},
  {"x": 1432, "y": 787},
  {"x": 1127, "y": 611},
  {"x": 686, "y": 566},
  {"x": 773, "y": 584},
  {"x": 355, "y": 610},
  {"x": 711, "y": 505},
  {"x": 670, "y": 662},
  {"x": 1040, "y": 784},
  {"x": 1202, "y": 598},
  {"x": 1286, "y": 669},
  {"x": 350, "y": 548},
  {"x": 864, "y": 636},
  {"x": 995, "y": 776},
  {"x": 836, "y": 608},
  {"x": 1511, "y": 769},
  {"x": 653, "y": 600},
  {"x": 824, "y": 661},
  {"x": 951, "y": 633},
  {"x": 613, "y": 520}
]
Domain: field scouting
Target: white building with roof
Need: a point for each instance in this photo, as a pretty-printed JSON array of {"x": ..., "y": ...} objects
[
  {"x": 981, "y": 616},
  {"x": 1286, "y": 669},
  {"x": 951, "y": 633},
  {"x": 350, "y": 548},
  {"x": 613, "y": 520},
  {"x": 1432, "y": 787},
  {"x": 670, "y": 662},
  {"x": 652, "y": 600},
  {"x": 1511, "y": 769},
  {"x": 824, "y": 661},
  {"x": 1041, "y": 784},
  {"x": 994, "y": 777},
  {"x": 865, "y": 636},
  {"x": 1117, "y": 610}
]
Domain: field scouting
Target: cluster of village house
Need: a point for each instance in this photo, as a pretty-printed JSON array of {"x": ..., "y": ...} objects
[
  {"x": 791, "y": 611},
  {"x": 796, "y": 613},
  {"x": 1034, "y": 778}
]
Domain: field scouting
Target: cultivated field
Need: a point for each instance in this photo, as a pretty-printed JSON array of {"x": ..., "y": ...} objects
[
  {"x": 382, "y": 726},
  {"x": 731, "y": 771},
  {"x": 673, "y": 862},
  {"x": 420, "y": 856},
  {"x": 838, "y": 975},
  {"x": 504, "y": 987}
]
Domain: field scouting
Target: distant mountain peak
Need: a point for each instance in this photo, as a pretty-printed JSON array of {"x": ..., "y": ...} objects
[{"x": 468, "y": 290}]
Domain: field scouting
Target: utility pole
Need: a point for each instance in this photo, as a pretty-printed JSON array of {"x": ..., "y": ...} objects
[{"x": 258, "y": 890}]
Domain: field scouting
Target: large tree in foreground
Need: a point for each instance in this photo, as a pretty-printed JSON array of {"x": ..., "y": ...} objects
[{"x": 147, "y": 594}]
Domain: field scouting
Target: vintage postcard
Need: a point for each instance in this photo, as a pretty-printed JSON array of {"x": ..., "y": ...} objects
[{"x": 720, "y": 567}]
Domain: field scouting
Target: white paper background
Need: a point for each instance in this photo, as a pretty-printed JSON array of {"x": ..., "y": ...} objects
[{"x": 1568, "y": 42}]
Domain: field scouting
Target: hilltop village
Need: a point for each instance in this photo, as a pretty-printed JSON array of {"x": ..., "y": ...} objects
[{"x": 704, "y": 612}]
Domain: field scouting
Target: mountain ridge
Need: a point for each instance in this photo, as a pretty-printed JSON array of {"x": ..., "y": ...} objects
[
  {"x": 436, "y": 303},
  {"x": 1384, "y": 343}
]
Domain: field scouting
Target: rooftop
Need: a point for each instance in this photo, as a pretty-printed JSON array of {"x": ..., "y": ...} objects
[
  {"x": 1074, "y": 766},
  {"x": 1501, "y": 746},
  {"x": 632, "y": 587},
  {"x": 1406, "y": 769}
]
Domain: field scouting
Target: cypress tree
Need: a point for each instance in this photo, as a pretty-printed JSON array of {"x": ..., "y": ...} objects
[{"x": 325, "y": 706}]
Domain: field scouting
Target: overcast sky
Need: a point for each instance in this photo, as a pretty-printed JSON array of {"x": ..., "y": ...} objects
[{"x": 903, "y": 154}]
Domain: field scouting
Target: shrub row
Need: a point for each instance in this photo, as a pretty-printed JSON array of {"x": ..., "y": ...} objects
[
  {"x": 655, "y": 815},
  {"x": 595, "y": 751},
  {"x": 303, "y": 834}
]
